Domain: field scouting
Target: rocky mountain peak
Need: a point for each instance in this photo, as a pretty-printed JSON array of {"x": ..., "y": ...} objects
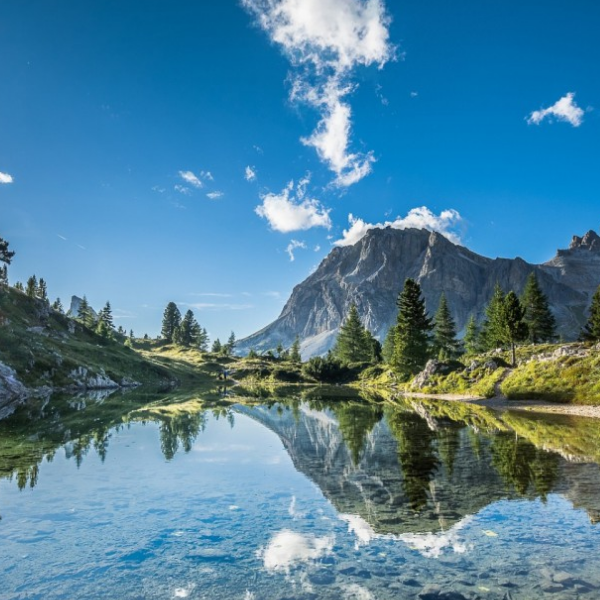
[
  {"x": 590, "y": 241},
  {"x": 372, "y": 272}
]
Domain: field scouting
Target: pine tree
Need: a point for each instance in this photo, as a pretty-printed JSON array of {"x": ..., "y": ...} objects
[
  {"x": 295, "y": 355},
  {"x": 491, "y": 330},
  {"x": 540, "y": 321},
  {"x": 42, "y": 290},
  {"x": 411, "y": 342},
  {"x": 352, "y": 344},
  {"x": 57, "y": 306},
  {"x": 105, "y": 315},
  {"x": 201, "y": 340},
  {"x": 230, "y": 345},
  {"x": 120, "y": 330},
  {"x": 171, "y": 321},
  {"x": 4, "y": 275},
  {"x": 445, "y": 344},
  {"x": 5, "y": 254},
  {"x": 104, "y": 330},
  {"x": 591, "y": 331},
  {"x": 512, "y": 326},
  {"x": 84, "y": 313},
  {"x": 131, "y": 336},
  {"x": 387, "y": 350},
  {"x": 217, "y": 347},
  {"x": 31, "y": 289},
  {"x": 472, "y": 339},
  {"x": 184, "y": 334},
  {"x": 19, "y": 286}
]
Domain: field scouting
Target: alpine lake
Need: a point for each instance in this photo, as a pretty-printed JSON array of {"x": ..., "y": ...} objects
[{"x": 296, "y": 495}]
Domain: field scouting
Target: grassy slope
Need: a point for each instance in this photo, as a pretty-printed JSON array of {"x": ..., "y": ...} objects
[{"x": 44, "y": 347}]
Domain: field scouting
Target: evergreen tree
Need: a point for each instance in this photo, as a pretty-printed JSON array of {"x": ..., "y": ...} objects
[
  {"x": 131, "y": 336},
  {"x": 295, "y": 355},
  {"x": 352, "y": 344},
  {"x": 491, "y": 331},
  {"x": 146, "y": 336},
  {"x": 57, "y": 306},
  {"x": 512, "y": 326},
  {"x": 171, "y": 321},
  {"x": 120, "y": 330},
  {"x": 84, "y": 313},
  {"x": 19, "y": 286},
  {"x": 230, "y": 345},
  {"x": 105, "y": 315},
  {"x": 42, "y": 290},
  {"x": 411, "y": 342},
  {"x": 591, "y": 331},
  {"x": 31, "y": 289},
  {"x": 217, "y": 347},
  {"x": 4, "y": 275},
  {"x": 472, "y": 337},
  {"x": 5, "y": 254},
  {"x": 387, "y": 351},
  {"x": 201, "y": 339},
  {"x": 445, "y": 344},
  {"x": 185, "y": 334},
  {"x": 104, "y": 330},
  {"x": 540, "y": 322}
]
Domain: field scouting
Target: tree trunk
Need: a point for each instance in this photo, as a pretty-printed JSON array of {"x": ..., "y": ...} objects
[{"x": 514, "y": 356}]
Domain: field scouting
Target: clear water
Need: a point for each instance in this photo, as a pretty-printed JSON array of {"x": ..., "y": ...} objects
[{"x": 300, "y": 499}]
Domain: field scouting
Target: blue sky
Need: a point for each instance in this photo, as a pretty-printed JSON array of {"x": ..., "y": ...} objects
[{"x": 127, "y": 130}]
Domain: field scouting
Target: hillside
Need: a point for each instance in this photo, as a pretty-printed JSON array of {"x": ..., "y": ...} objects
[
  {"x": 42, "y": 351},
  {"x": 372, "y": 272}
]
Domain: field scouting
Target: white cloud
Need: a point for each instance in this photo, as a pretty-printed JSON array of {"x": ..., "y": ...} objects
[
  {"x": 294, "y": 245},
  {"x": 564, "y": 109},
  {"x": 250, "y": 173},
  {"x": 288, "y": 549},
  {"x": 62, "y": 237},
  {"x": 215, "y": 195},
  {"x": 182, "y": 189},
  {"x": 292, "y": 210},
  {"x": 189, "y": 177},
  {"x": 418, "y": 218},
  {"x": 5, "y": 178},
  {"x": 325, "y": 40}
]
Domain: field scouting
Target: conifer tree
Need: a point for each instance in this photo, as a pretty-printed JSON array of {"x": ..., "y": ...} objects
[
  {"x": 42, "y": 290},
  {"x": 57, "y": 306},
  {"x": 413, "y": 327},
  {"x": 131, "y": 336},
  {"x": 540, "y": 322},
  {"x": 512, "y": 326},
  {"x": 445, "y": 344},
  {"x": 387, "y": 350},
  {"x": 184, "y": 334},
  {"x": 491, "y": 331},
  {"x": 31, "y": 289},
  {"x": 4, "y": 275},
  {"x": 591, "y": 331},
  {"x": 19, "y": 286},
  {"x": 103, "y": 329},
  {"x": 105, "y": 315},
  {"x": 352, "y": 344},
  {"x": 120, "y": 330},
  {"x": 84, "y": 313},
  {"x": 230, "y": 345},
  {"x": 295, "y": 355},
  {"x": 171, "y": 321},
  {"x": 5, "y": 254},
  {"x": 217, "y": 347},
  {"x": 472, "y": 337},
  {"x": 201, "y": 339}
]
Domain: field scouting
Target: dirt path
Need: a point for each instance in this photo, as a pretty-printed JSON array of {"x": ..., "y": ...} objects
[{"x": 500, "y": 402}]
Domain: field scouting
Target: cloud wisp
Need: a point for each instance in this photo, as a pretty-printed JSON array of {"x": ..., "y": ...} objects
[
  {"x": 445, "y": 223},
  {"x": 294, "y": 245},
  {"x": 216, "y": 195},
  {"x": 565, "y": 109},
  {"x": 292, "y": 210},
  {"x": 194, "y": 180},
  {"x": 6, "y": 178},
  {"x": 250, "y": 174},
  {"x": 325, "y": 41}
]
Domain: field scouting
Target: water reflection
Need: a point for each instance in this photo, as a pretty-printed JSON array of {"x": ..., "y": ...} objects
[{"x": 410, "y": 468}]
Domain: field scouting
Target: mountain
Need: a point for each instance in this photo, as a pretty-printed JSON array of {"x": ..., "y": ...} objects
[{"x": 371, "y": 273}]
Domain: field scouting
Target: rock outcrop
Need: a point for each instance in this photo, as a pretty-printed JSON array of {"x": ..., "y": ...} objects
[
  {"x": 372, "y": 272},
  {"x": 12, "y": 391}
]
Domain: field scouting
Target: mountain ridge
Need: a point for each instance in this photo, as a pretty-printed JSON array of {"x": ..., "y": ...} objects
[{"x": 371, "y": 274}]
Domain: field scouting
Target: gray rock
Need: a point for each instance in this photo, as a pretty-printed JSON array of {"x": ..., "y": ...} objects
[
  {"x": 12, "y": 391},
  {"x": 371, "y": 273}
]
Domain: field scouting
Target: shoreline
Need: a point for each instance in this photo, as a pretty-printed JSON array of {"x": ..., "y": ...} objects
[{"x": 502, "y": 404}]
